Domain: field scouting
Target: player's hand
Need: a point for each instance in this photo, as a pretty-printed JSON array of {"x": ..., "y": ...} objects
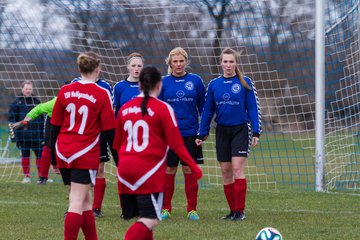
[
  {"x": 18, "y": 145},
  {"x": 197, "y": 173},
  {"x": 55, "y": 169},
  {"x": 199, "y": 139},
  {"x": 27, "y": 119},
  {"x": 198, "y": 142},
  {"x": 254, "y": 141}
]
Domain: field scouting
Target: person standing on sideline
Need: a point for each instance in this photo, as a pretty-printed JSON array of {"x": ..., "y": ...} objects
[
  {"x": 82, "y": 111},
  {"x": 233, "y": 98},
  {"x": 185, "y": 92},
  {"x": 45, "y": 161},
  {"x": 145, "y": 129},
  {"x": 128, "y": 88},
  {"x": 100, "y": 181},
  {"x": 30, "y": 136}
]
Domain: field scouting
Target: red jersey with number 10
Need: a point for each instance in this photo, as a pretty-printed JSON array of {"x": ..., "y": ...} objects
[
  {"x": 82, "y": 109},
  {"x": 142, "y": 142}
]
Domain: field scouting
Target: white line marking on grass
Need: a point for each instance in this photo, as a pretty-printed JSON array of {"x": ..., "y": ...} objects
[
  {"x": 30, "y": 203},
  {"x": 325, "y": 212}
]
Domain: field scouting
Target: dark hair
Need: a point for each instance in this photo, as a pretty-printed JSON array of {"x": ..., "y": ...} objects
[
  {"x": 149, "y": 77},
  {"x": 87, "y": 62},
  {"x": 237, "y": 70}
]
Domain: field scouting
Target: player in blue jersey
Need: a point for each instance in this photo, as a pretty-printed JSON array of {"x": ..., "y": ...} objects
[
  {"x": 185, "y": 92},
  {"x": 100, "y": 181},
  {"x": 233, "y": 98},
  {"x": 128, "y": 88}
]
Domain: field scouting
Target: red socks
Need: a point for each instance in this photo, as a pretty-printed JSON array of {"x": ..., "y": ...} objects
[
  {"x": 88, "y": 226},
  {"x": 138, "y": 231},
  {"x": 38, "y": 165},
  {"x": 74, "y": 221},
  {"x": 45, "y": 162},
  {"x": 72, "y": 224},
  {"x": 99, "y": 192},
  {"x": 25, "y": 163},
  {"x": 240, "y": 194},
  {"x": 169, "y": 191},
  {"x": 229, "y": 194},
  {"x": 191, "y": 191}
]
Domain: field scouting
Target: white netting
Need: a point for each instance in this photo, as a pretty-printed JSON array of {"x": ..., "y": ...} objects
[{"x": 39, "y": 41}]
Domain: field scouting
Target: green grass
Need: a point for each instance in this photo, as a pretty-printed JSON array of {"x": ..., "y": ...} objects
[{"x": 36, "y": 212}]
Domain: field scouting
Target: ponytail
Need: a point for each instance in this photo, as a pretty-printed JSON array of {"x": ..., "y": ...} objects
[
  {"x": 241, "y": 78},
  {"x": 144, "y": 103},
  {"x": 149, "y": 77}
]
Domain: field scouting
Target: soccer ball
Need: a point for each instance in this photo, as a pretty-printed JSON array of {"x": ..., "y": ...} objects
[{"x": 268, "y": 233}]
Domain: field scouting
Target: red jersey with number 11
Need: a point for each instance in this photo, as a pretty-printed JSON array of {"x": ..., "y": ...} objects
[
  {"x": 142, "y": 142},
  {"x": 82, "y": 109}
]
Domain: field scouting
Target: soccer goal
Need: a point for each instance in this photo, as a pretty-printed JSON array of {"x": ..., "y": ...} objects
[{"x": 39, "y": 41}]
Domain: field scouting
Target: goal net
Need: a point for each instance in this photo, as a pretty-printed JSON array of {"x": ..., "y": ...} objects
[{"x": 40, "y": 39}]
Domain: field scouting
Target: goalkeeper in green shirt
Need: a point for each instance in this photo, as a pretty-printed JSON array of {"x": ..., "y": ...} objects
[{"x": 45, "y": 161}]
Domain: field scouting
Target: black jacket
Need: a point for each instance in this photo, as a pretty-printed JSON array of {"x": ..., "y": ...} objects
[{"x": 17, "y": 112}]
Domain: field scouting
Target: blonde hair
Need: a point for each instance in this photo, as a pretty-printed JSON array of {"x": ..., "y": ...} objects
[
  {"x": 134, "y": 55},
  {"x": 27, "y": 82},
  {"x": 176, "y": 51},
  {"x": 237, "y": 70},
  {"x": 87, "y": 62}
]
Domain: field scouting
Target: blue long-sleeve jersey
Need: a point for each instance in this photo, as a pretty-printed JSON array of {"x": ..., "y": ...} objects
[
  {"x": 232, "y": 103},
  {"x": 124, "y": 91},
  {"x": 186, "y": 95}
]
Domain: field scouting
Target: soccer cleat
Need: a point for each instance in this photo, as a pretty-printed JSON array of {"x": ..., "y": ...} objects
[
  {"x": 49, "y": 180},
  {"x": 192, "y": 215},
  {"x": 228, "y": 217},
  {"x": 97, "y": 213},
  {"x": 165, "y": 214},
  {"x": 26, "y": 180},
  {"x": 238, "y": 216},
  {"x": 41, "y": 181}
]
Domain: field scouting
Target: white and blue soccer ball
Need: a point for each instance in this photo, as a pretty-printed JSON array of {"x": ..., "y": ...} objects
[{"x": 269, "y": 233}]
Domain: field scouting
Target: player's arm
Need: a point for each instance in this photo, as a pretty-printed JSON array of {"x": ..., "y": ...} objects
[
  {"x": 207, "y": 114},
  {"x": 42, "y": 108},
  {"x": 253, "y": 111},
  {"x": 57, "y": 119},
  {"x": 108, "y": 136},
  {"x": 108, "y": 127},
  {"x": 201, "y": 96}
]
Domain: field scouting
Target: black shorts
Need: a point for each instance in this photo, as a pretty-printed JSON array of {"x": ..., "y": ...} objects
[
  {"x": 172, "y": 160},
  {"x": 232, "y": 141},
  {"x": 82, "y": 176},
  {"x": 142, "y": 205}
]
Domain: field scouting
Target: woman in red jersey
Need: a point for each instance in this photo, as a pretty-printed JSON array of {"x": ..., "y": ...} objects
[
  {"x": 82, "y": 111},
  {"x": 146, "y": 127}
]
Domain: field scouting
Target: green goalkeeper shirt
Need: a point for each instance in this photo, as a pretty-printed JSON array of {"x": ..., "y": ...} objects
[{"x": 42, "y": 108}]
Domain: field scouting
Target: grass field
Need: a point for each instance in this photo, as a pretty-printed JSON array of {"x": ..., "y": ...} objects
[{"x": 30, "y": 212}]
